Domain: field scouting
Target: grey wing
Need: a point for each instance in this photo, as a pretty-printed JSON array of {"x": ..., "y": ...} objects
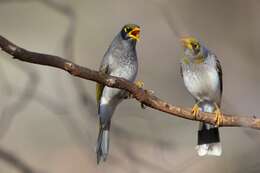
[
  {"x": 104, "y": 65},
  {"x": 181, "y": 70},
  {"x": 104, "y": 68},
  {"x": 220, "y": 74},
  {"x": 217, "y": 66}
]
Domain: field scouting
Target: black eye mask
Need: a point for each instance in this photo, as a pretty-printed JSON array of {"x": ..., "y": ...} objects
[
  {"x": 195, "y": 47},
  {"x": 125, "y": 31}
]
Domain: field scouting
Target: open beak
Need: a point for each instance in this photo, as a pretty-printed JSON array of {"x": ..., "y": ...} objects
[
  {"x": 186, "y": 42},
  {"x": 135, "y": 34}
]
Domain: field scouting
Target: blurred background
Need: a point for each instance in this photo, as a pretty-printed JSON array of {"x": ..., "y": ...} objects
[{"x": 48, "y": 118}]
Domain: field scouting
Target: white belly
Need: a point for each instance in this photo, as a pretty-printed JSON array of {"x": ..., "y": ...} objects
[{"x": 203, "y": 85}]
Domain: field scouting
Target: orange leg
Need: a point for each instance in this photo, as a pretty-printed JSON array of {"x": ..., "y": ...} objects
[
  {"x": 195, "y": 110},
  {"x": 139, "y": 84},
  {"x": 218, "y": 115}
]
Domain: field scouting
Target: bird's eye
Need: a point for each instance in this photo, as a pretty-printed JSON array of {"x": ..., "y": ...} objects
[
  {"x": 195, "y": 45},
  {"x": 127, "y": 29}
]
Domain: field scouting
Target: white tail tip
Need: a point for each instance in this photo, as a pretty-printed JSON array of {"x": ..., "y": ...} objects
[{"x": 213, "y": 149}]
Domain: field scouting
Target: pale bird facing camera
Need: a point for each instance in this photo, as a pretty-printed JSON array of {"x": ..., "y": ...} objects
[{"x": 202, "y": 75}]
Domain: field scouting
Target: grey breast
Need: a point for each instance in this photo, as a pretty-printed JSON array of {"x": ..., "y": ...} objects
[
  {"x": 122, "y": 61},
  {"x": 202, "y": 81}
]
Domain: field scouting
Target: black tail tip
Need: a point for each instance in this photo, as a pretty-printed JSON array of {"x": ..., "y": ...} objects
[
  {"x": 101, "y": 157},
  {"x": 98, "y": 158},
  {"x": 207, "y": 136},
  {"x": 102, "y": 145}
]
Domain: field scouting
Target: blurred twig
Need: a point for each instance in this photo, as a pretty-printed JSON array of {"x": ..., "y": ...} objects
[
  {"x": 64, "y": 115},
  {"x": 68, "y": 46},
  {"x": 174, "y": 22},
  {"x": 9, "y": 111},
  {"x": 7, "y": 86},
  {"x": 143, "y": 96},
  {"x": 85, "y": 101},
  {"x": 12, "y": 108},
  {"x": 16, "y": 162}
]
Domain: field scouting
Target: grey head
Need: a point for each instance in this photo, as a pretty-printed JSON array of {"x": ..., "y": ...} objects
[
  {"x": 130, "y": 32},
  {"x": 124, "y": 44},
  {"x": 127, "y": 37}
]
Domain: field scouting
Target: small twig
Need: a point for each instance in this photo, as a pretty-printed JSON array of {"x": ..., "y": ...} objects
[{"x": 141, "y": 95}]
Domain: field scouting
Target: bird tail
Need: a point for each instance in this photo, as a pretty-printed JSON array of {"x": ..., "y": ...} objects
[
  {"x": 208, "y": 136},
  {"x": 102, "y": 147}
]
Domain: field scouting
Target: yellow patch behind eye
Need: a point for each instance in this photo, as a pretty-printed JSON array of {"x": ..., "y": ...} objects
[{"x": 199, "y": 60}]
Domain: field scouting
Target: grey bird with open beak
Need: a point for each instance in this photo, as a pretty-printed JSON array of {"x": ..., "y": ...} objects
[
  {"x": 202, "y": 75},
  {"x": 120, "y": 60}
]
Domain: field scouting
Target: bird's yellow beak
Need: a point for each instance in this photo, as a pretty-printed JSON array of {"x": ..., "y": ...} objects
[
  {"x": 135, "y": 34},
  {"x": 186, "y": 42}
]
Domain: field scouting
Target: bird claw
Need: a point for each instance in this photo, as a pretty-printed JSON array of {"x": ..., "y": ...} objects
[
  {"x": 139, "y": 84},
  {"x": 195, "y": 110},
  {"x": 218, "y": 117},
  {"x": 128, "y": 96},
  {"x": 143, "y": 106},
  {"x": 151, "y": 92}
]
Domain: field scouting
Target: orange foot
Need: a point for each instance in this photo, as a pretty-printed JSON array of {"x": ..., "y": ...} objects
[
  {"x": 195, "y": 110},
  {"x": 218, "y": 116},
  {"x": 139, "y": 84}
]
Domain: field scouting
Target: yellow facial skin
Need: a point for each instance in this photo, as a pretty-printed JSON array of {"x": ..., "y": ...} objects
[
  {"x": 190, "y": 42},
  {"x": 135, "y": 34}
]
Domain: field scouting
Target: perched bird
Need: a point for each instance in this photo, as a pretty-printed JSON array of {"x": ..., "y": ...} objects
[
  {"x": 120, "y": 60},
  {"x": 202, "y": 75}
]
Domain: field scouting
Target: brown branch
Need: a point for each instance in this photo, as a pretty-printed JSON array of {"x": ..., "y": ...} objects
[
  {"x": 20, "y": 102},
  {"x": 16, "y": 105},
  {"x": 141, "y": 95},
  {"x": 87, "y": 103}
]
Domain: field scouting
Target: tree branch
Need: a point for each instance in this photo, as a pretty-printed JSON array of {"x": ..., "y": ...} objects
[{"x": 139, "y": 94}]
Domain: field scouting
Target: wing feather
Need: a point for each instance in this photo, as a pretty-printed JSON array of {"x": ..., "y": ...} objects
[
  {"x": 100, "y": 87},
  {"x": 220, "y": 74}
]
